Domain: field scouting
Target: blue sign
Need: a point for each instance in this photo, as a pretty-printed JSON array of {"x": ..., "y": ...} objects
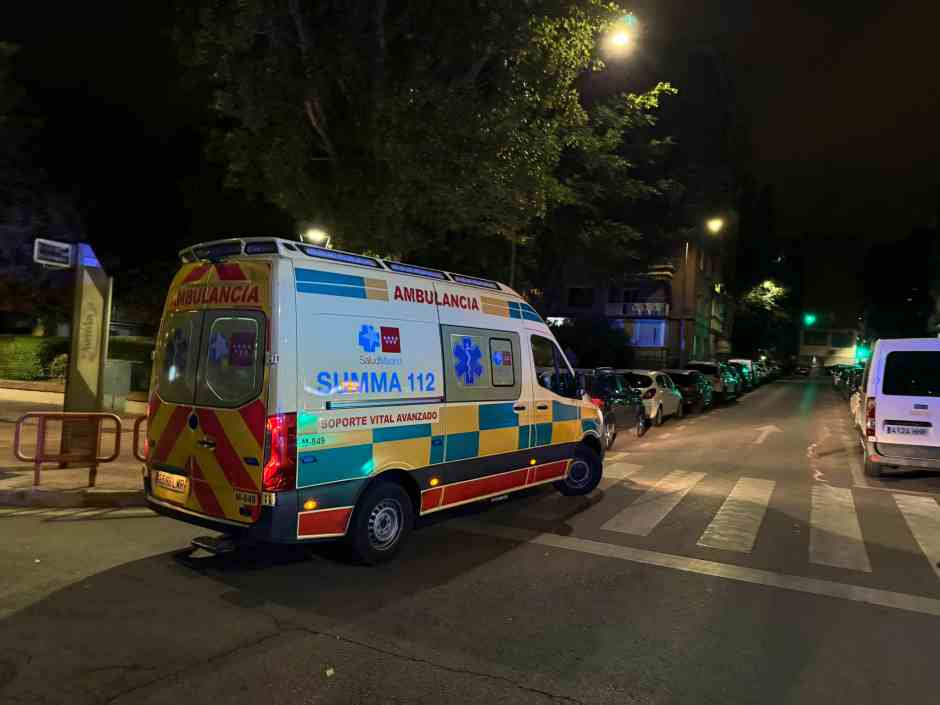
[
  {"x": 467, "y": 361},
  {"x": 369, "y": 339}
]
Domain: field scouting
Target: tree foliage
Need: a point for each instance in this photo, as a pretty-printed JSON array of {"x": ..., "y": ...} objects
[
  {"x": 763, "y": 320},
  {"x": 614, "y": 190},
  {"x": 401, "y": 127}
]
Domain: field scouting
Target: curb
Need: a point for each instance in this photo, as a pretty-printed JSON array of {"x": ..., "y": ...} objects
[{"x": 91, "y": 497}]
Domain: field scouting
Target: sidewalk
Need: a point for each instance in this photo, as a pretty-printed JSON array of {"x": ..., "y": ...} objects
[{"x": 118, "y": 483}]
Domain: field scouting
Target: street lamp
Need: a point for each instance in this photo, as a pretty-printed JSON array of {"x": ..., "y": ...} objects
[
  {"x": 621, "y": 36},
  {"x": 715, "y": 225},
  {"x": 316, "y": 236}
]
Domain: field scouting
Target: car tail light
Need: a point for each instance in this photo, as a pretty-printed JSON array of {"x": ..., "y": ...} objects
[
  {"x": 649, "y": 393},
  {"x": 870, "y": 417},
  {"x": 598, "y": 402},
  {"x": 280, "y": 453}
]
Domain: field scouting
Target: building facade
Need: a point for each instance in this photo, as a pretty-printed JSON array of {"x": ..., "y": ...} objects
[{"x": 677, "y": 311}]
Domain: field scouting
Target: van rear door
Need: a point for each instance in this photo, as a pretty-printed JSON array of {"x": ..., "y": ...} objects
[
  {"x": 908, "y": 402},
  {"x": 208, "y": 403}
]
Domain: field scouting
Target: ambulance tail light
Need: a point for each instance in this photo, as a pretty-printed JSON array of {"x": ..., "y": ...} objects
[
  {"x": 870, "y": 417},
  {"x": 596, "y": 401},
  {"x": 280, "y": 453}
]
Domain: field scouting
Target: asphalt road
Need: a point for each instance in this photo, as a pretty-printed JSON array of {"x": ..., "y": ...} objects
[{"x": 734, "y": 557}]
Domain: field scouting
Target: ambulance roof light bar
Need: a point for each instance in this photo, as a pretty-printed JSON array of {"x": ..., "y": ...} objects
[{"x": 220, "y": 249}]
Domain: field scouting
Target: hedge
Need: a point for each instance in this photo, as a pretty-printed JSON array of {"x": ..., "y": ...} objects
[{"x": 27, "y": 357}]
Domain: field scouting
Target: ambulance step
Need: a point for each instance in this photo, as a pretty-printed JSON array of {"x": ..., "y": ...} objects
[{"x": 215, "y": 544}]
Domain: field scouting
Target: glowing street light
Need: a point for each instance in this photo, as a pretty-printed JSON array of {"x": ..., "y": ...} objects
[
  {"x": 316, "y": 236},
  {"x": 621, "y": 37},
  {"x": 715, "y": 225}
]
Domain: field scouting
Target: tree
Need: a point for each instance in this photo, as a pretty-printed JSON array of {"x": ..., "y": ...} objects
[
  {"x": 763, "y": 320},
  {"x": 616, "y": 191},
  {"x": 397, "y": 126},
  {"x": 29, "y": 208}
]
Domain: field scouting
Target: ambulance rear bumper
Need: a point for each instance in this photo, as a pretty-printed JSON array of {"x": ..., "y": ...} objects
[{"x": 276, "y": 524}]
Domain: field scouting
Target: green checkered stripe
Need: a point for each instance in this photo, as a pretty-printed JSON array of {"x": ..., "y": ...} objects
[{"x": 355, "y": 462}]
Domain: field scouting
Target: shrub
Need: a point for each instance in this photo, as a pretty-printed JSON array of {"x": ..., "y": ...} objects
[
  {"x": 27, "y": 357},
  {"x": 59, "y": 366}
]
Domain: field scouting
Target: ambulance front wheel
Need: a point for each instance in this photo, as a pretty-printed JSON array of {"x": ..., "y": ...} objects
[
  {"x": 381, "y": 522},
  {"x": 584, "y": 473}
]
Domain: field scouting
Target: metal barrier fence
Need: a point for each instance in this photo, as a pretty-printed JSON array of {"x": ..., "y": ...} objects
[{"x": 91, "y": 453}]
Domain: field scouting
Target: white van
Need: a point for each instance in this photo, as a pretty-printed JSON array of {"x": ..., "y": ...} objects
[
  {"x": 897, "y": 410},
  {"x": 302, "y": 393}
]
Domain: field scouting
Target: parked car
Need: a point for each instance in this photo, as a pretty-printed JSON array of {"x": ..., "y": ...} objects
[
  {"x": 697, "y": 391},
  {"x": 897, "y": 408},
  {"x": 659, "y": 393},
  {"x": 761, "y": 372},
  {"x": 802, "y": 370},
  {"x": 746, "y": 371},
  {"x": 738, "y": 378},
  {"x": 725, "y": 384},
  {"x": 623, "y": 409}
]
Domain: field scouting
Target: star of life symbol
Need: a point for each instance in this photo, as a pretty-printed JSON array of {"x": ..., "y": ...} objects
[
  {"x": 467, "y": 361},
  {"x": 369, "y": 339},
  {"x": 218, "y": 347}
]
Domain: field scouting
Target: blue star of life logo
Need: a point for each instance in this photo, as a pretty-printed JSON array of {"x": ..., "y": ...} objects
[
  {"x": 467, "y": 361},
  {"x": 369, "y": 339}
]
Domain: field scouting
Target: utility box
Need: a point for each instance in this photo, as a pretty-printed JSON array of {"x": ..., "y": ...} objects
[{"x": 117, "y": 385}]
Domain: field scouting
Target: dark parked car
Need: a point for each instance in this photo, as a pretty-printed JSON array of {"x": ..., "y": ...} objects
[
  {"x": 622, "y": 406},
  {"x": 697, "y": 391},
  {"x": 744, "y": 373}
]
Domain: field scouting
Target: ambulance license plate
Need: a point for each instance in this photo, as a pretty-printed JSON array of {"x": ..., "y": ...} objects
[
  {"x": 169, "y": 481},
  {"x": 906, "y": 430},
  {"x": 249, "y": 498}
]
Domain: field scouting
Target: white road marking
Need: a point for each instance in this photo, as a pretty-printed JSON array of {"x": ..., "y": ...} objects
[
  {"x": 855, "y": 467},
  {"x": 922, "y": 515},
  {"x": 835, "y": 537},
  {"x": 620, "y": 471},
  {"x": 679, "y": 428},
  {"x": 650, "y": 508},
  {"x": 754, "y": 576},
  {"x": 614, "y": 457},
  {"x": 665, "y": 435},
  {"x": 736, "y": 524},
  {"x": 766, "y": 431}
]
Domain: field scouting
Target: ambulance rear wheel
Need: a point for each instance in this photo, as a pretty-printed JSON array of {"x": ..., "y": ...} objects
[
  {"x": 381, "y": 522},
  {"x": 584, "y": 473}
]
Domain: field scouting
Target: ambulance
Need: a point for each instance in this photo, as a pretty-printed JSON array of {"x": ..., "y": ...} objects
[{"x": 303, "y": 394}]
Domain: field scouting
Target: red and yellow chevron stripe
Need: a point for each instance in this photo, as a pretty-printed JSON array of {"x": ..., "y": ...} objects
[{"x": 224, "y": 481}]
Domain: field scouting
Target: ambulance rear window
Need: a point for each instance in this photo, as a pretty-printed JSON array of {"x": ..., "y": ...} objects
[
  {"x": 178, "y": 353},
  {"x": 232, "y": 362}
]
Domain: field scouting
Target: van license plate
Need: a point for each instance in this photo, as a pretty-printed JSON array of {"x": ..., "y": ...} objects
[
  {"x": 906, "y": 430},
  {"x": 169, "y": 481}
]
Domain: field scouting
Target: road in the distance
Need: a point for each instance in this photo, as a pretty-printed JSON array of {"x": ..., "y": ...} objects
[{"x": 733, "y": 557}]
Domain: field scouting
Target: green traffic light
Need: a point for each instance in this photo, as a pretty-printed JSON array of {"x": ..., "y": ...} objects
[
  {"x": 862, "y": 353},
  {"x": 809, "y": 319}
]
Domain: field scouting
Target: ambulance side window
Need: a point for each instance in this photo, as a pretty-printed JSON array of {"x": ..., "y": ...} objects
[
  {"x": 551, "y": 370},
  {"x": 480, "y": 365}
]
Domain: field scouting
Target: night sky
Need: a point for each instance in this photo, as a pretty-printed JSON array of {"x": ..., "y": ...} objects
[{"x": 840, "y": 104}]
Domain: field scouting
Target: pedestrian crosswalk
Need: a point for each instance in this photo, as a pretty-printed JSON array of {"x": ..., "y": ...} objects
[
  {"x": 922, "y": 515},
  {"x": 835, "y": 536},
  {"x": 735, "y": 526},
  {"x": 642, "y": 516}
]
